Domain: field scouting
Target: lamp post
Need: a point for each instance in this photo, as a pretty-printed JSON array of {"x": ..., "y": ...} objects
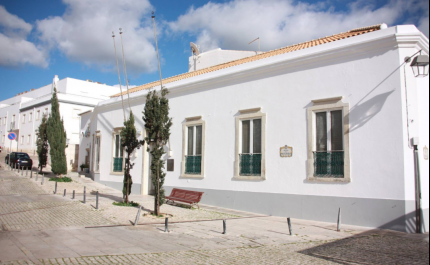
[{"x": 420, "y": 68}]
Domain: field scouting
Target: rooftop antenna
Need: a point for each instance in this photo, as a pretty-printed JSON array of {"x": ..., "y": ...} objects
[
  {"x": 119, "y": 76},
  {"x": 258, "y": 43},
  {"x": 156, "y": 45},
  {"x": 195, "y": 49},
  {"x": 125, "y": 70}
]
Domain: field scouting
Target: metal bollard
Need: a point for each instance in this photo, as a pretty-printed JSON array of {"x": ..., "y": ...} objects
[
  {"x": 85, "y": 194},
  {"x": 43, "y": 179},
  {"x": 339, "y": 220},
  {"x": 37, "y": 176},
  {"x": 138, "y": 216},
  {"x": 64, "y": 193},
  {"x": 73, "y": 195},
  {"x": 26, "y": 171},
  {"x": 224, "y": 225},
  {"x": 290, "y": 227},
  {"x": 22, "y": 172},
  {"x": 166, "y": 225},
  {"x": 97, "y": 200},
  {"x": 55, "y": 192},
  {"x": 31, "y": 173}
]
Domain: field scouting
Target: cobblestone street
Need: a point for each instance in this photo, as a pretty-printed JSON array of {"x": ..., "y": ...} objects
[{"x": 38, "y": 227}]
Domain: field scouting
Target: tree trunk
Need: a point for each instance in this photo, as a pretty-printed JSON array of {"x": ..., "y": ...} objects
[
  {"x": 128, "y": 178},
  {"x": 157, "y": 213}
]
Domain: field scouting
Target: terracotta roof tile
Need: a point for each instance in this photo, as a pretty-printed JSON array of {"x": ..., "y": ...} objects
[{"x": 292, "y": 48}]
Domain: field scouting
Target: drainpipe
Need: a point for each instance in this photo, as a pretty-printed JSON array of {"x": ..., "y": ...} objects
[{"x": 418, "y": 196}]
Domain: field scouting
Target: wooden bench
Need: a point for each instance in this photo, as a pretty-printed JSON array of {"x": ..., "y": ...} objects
[{"x": 186, "y": 196}]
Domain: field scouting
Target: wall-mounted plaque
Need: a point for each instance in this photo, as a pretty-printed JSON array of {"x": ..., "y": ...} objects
[
  {"x": 286, "y": 151},
  {"x": 170, "y": 165}
]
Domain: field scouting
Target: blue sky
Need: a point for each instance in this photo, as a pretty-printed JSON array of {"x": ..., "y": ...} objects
[{"x": 72, "y": 38}]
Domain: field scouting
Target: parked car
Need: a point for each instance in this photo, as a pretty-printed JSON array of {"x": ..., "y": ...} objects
[
  {"x": 20, "y": 160},
  {"x": 0, "y": 149},
  {"x": 6, "y": 159}
]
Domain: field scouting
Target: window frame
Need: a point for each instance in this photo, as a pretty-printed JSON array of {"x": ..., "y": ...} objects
[
  {"x": 328, "y": 105},
  {"x": 37, "y": 115},
  {"x": 250, "y": 114},
  {"x": 116, "y": 131},
  {"x": 193, "y": 122},
  {"x": 94, "y": 155},
  {"x": 30, "y": 117}
]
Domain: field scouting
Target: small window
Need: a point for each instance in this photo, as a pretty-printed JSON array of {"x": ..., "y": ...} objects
[
  {"x": 22, "y": 139},
  {"x": 250, "y": 157},
  {"x": 96, "y": 163},
  {"x": 193, "y": 154},
  {"x": 4, "y": 121},
  {"x": 3, "y": 139},
  {"x": 23, "y": 119},
  {"x": 118, "y": 154},
  {"x": 193, "y": 164},
  {"x": 327, "y": 126},
  {"x": 250, "y": 145},
  {"x": 29, "y": 139},
  {"x": 30, "y": 117},
  {"x": 38, "y": 115}
]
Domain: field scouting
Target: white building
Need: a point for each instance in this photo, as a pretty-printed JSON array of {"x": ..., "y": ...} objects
[
  {"x": 346, "y": 107},
  {"x": 23, "y": 113}
]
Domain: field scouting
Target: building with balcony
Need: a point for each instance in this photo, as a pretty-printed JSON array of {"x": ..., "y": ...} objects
[
  {"x": 297, "y": 132},
  {"x": 23, "y": 113}
]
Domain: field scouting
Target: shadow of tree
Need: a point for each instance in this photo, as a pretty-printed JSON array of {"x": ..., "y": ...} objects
[
  {"x": 390, "y": 248},
  {"x": 364, "y": 112}
]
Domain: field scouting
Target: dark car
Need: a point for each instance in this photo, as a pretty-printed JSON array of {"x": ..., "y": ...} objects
[{"x": 21, "y": 160}]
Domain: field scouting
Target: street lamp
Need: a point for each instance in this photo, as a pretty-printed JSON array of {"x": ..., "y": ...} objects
[{"x": 420, "y": 65}]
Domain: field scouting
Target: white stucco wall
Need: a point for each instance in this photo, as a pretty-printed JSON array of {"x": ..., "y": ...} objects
[{"x": 363, "y": 70}]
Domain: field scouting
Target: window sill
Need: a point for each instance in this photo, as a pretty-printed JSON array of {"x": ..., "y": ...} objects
[
  {"x": 329, "y": 180},
  {"x": 117, "y": 173},
  {"x": 249, "y": 178},
  {"x": 187, "y": 176}
]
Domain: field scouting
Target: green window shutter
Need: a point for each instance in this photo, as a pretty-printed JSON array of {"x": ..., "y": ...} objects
[
  {"x": 321, "y": 124},
  {"x": 190, "y": 140},
  {"x": 199, "y": 139},
  {"x": 336, "y": 131},
  {"x": 257, "y": 136},
  {"x": 246, "y": 135}
]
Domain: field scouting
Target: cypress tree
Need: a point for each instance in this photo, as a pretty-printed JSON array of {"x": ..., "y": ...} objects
[
  {"x": 130, "y": 143},
  {"x": 42, "y": 143},
  {"x": 157, "y": 125},
  {"x": 57, "y": 138}
]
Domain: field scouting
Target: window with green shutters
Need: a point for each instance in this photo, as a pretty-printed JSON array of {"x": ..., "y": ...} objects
[
  {"x": 329, "y": 155},
  {"x": 118, "y": 156},
  {"x": 251, "y": 143},
  {"x": 193, "y": 158}
]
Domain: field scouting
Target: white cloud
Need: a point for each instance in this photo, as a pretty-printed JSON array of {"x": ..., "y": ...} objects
[
  {"x": 15, "y": 50},
  {"x": 424, "y": 25},
  {"x": 279, "y": 23},
  {"x": 84, "y": 33}
]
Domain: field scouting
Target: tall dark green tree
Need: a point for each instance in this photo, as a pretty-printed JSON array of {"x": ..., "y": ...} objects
[
  {"x": 42, "y": 143},
  {"x": 157, "y": 125},
  {"x": 130, "y": 143},
  {"x": 57, "y": 138}
]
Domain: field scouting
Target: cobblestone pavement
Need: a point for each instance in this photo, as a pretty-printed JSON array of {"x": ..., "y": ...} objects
[
  {"x": 43, "y": 215},
  {"x": 382, "y": 250},
  {"x": 38, "y": 227}
]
